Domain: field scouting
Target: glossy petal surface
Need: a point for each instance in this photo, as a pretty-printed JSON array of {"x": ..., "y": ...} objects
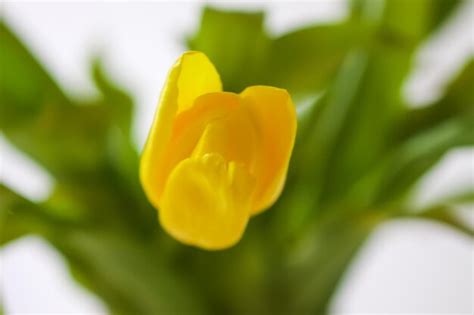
[{"x": 207, "y": 202}]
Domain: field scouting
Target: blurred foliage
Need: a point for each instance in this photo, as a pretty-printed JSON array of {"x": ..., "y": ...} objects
[{"x": 361, "y": 150}]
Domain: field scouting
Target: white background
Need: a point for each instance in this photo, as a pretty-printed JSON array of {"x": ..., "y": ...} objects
[{"x": 407, "y": 267}]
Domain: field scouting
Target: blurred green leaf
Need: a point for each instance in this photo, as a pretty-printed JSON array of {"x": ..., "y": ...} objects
[
  {"x": 409, "y": 20},
  {"x": 442, "y": 214},
  {"x": 19, "y": 217},
  {"x": 121, "y": 151},
  {"x": 416, "y": 19},
  {"x": 301, "y": 61},
  {"x": 67, "y": 138},
  {"x": 236, "y": 43},
  {"x": 111, "y": 263},
  {"x": 353, "y": 125},
  {"x": 117, "y": 101},
  {"x": 40, "y": 120},
  {"x": 315, "y": 144},
  {"x": 461, "y": 197},
  {"x": 28, "y": 96},
  {"x": 419, "y": 154},
  {"x": 370, "y": 123},
  {"x": 428, "y": 133},
  {"x": 86, "y": 147},
  {"x": 457, "y": 101},
  {"x": 312, "y": 157},
  {"x": 322, "y": 257},
  {"x": 130, "y": 274}
]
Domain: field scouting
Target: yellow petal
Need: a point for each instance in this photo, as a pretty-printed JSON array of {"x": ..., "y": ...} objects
[
  {"x": 234, "y": 136},
  {"x": 191, "y": 76},
  {"x": 206, "y": 202},
  {"x": 189, "y": 127},
  {"x": 275, "y": 117}
]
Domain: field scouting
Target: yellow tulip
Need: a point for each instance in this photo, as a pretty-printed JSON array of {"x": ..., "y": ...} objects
[{"x": 214, "y": 158}]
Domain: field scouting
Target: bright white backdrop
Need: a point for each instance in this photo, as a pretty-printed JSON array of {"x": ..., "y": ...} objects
[{"x": 407, "y": 267}]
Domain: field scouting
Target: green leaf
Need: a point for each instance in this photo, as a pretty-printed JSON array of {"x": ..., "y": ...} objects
[
  {"x": 302, "y": 61},
  {"x": 419, "y": 154},
  {"x": 86, "y": 147},
  {"x": 426, "y": 134},
  {"x": 313, "y": 156},
  {"x": 39, "y": 119},
  {"x": 322, "y": 256},
  {"x": 416, "y": 19},
  {"x": 457, "y": 101},
  {"x": 235, "y": 42},
  {"x": 370, "y": 121},
  {"x": 19, "y": 217},
  {"x": 445, "y": 215},
  {"x": 462, "y": 197},
  {"x": 121, "y": 152},
  {"x": 19, "y": 96},
  {"x": 117, "y": 101},
  {"x": 409, "y": 20},
  {"x": 129, "y": 274}
]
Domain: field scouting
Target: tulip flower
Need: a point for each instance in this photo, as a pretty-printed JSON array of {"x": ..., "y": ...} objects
[{"x": 213, "y": 159}]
